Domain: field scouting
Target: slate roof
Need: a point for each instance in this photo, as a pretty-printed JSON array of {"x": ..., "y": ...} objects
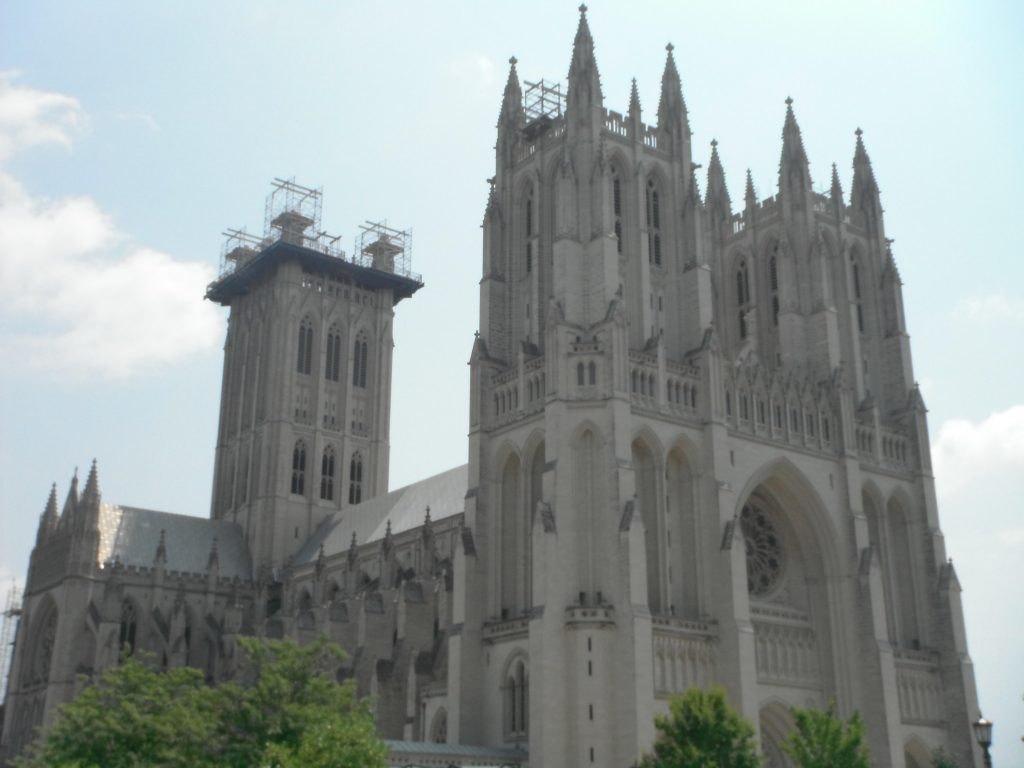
[
  {"x": 132, "y": 535},
  {"x": 514, "y": 756},
  {"x": 405, "y": 508}
]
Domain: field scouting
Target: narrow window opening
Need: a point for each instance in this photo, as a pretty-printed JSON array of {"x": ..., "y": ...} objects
[{"x": 299, "y": 468}]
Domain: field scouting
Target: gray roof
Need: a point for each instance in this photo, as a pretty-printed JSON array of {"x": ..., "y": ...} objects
[
  {"x": 456, "y": 750},
  {"x": 405, "y": 508},
  {"x": 132, "y": 536}
]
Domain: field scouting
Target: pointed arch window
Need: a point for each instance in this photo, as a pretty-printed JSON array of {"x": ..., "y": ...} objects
[
  {"x": 580, "y": 371},
  {"x": 332, "y": 372},
  {"x": 592, "y": 373},
  {"x": 528, "y": 220},
  {"x": 304, "y": 362},
  {"x": 743, "y": 296},
  {"x": 128, "y": 628},
  {"x": 617, "y": 209},
  {"x": 355, "y": 479},
  {"x": 299, "y": 468},
  {"x": 327, "y": 474},
  {"x": 773, "y": 279},
  {"x": 855, "y": 279},
  {"x": 360, "y": 353},
  {"x": 653, "y": 224}
]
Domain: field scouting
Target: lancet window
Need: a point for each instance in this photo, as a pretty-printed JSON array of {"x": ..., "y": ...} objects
[
  {"x": 742, "y": 296},
  {"x": 617, "y": 209},
  {"x": 653, "y": 224},
  {"x": 855, "y": 280},
  {"x": 128, "y": 628},
  {"x": 304, "y": 361},
  {"x": 299, "y": 468},
  {"x": 355, "y": 479},
  {"x": 327, "y": 474},
  {"x": 332, "y": 372},
  {"x": 360, "y": 351}
]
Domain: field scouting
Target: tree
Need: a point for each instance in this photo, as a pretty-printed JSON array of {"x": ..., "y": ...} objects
[
  {"x": 702, "y": 731},
  {"x": 822, "y": 740},
  {"x": 286, "y": 710},
  {"x": 942, "y": 759}
]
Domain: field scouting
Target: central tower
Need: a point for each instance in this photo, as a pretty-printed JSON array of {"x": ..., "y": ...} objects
[{"x": 306, "y": 393}]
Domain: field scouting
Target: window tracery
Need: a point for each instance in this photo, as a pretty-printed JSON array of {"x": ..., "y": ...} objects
[{"x": 765, "y": 557}]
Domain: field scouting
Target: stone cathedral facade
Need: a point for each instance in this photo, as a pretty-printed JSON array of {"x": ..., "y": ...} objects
[{"x": 697, "y": 456}]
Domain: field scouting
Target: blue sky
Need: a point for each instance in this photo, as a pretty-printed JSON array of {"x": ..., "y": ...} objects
[{"x": 133, "y": 134}]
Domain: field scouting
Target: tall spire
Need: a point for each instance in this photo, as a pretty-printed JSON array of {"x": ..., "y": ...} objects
[
  {"x": 837, "y": 188},
  {"x": 512, "y": 99},
  {"x": 793, "y": 166},
  {"x": 634, "y": 100},
  {"x": 864, "y": 193},
  {"x": 672, "y": 116},
  {"x": 71, "y": 501},
  {"x": 749, "y": 196},
  {"x": 717, "y": 195},
  {"x": 91, "y": 493},
  {"x": 584, "y": 80},
  {"x": 49, "y": 519}
]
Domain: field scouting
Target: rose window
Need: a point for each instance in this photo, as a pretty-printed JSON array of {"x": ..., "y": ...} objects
[{"x": 764, "y": 551}]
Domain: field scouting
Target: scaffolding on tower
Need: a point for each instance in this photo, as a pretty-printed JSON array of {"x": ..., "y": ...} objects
[
  {"x": 543, "y": 103},
  {"x": 10, "y": 618},
  {"x": 385, "y": 249}
]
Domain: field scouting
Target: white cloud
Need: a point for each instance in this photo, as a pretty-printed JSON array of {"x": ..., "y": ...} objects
[
  {"x": 144, "y": 118},
  {"x": 971, "y": 455},
  {"x": 76, "y": 296},
  {"x": 30, "y": 117},
  {"x": 994, "y": 307}
]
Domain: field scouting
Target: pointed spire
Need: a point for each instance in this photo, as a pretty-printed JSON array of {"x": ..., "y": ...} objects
[
  {"x": 512, "y": 99},
  {"x": 717, "y": 193},
  {"x": 584, "y": 88},
  {"x": 748, "y": 194},
  {"x": 161, "y": 549},
  {"x": 49, "y": 519},
  {"x": 837, "y": 188},
  {"x": 71, "y": 502},
  {"x": 864, "y": 192},
  {"x": 426, "y": 517},
  {"x": 634, "y": 100},
  {"x": 91, "y": 493},
  {"x": 671, "y": 106},
  {"x": 794, "y": 158}
]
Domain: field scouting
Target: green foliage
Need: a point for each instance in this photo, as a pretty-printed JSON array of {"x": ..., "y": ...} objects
[
  {"x": 703, "y": 731},
  {"x": 286, "y": 711},
  {"x": 942, "y": 759},
  {"x": 821, "y": 740}
]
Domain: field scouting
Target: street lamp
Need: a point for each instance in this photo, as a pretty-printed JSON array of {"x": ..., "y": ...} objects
[{"x": 983, "y": 734}]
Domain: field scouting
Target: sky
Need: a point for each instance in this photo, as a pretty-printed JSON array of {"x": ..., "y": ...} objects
[{"x": 133, "y": 134}]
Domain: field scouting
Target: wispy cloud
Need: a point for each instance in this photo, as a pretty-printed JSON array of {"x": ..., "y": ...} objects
[
  {"x": 994, "y": 307},
  {"x": 30, "y": 117},
  {"x": 143, "y": 118},
  {"x": 76, "y": 294}
]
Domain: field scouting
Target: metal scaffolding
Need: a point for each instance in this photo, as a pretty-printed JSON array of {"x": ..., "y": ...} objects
[{"x": 384, "y": 248}]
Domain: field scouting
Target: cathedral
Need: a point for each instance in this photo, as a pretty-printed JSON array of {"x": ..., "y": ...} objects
[{"x": 697, "y": 456}]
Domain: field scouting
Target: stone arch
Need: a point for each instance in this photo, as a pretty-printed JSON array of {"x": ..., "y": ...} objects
[
  {"x": 901, "y": 551},
  {"x": 776, "y": 721},
  {"x": 647, "y": 463},
  {"x": 42, "y": 643},
  {"x": 515, "y": 689},
  {"x": 873, "y": 505},
  {"x": 917, "y": 754},
  {"x": 795, "y": 546},
  {"x": 683, "y": 535},
  {"x": 589, "y": 472},
  {"x": 511, "y": 532},
  {"x": 439, "y": 727}
]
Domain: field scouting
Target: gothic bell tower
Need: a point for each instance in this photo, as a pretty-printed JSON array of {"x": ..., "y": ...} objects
[{"x": 306, "y": 390}]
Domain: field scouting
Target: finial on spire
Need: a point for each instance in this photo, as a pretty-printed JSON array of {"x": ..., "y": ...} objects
[
  {"x": 583, "y": 9},
  {"x": 634, "y": 99},
  {"x": 669, "y": 47},
  {"x": 714, "y": 144},
  {"x": 513, "y": 60},
  {"x": 858, "y": 133},
  {"x": 426, "y": 518},
  {"x": 749, "y": 193},
  {"x": 789, "y": 101},
  {"x": 92, "y": 484}
]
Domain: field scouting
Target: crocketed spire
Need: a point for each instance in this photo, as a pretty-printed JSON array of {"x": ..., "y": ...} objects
[
  {"x": 717, "y": 196},
  {"x": 793, "y": 166},
  {"x": 91, "y": 493},
  {"x": 634, "y": 100},
  {"x": 865, "y": 189},
  {"x": 837, "y": 188},
  {"x": 750, "y": 198},
  {"x": 49, "y": 519},
  {"x": 671, "y": 106},
  {"x": 584, "y": 88},
  {"x": 512, "y": 99}
]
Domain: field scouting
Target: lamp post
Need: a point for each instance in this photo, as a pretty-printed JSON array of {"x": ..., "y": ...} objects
[{"x": 983, "y": 734}]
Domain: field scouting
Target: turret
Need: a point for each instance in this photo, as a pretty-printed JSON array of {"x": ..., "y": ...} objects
[
  {"x": 865, "y": 200},
  {"x": 716, "y": 200},
  {"x": 673, "y": 121},
  {"x": 511, "y": 119},
  {"x": 794, "y": 169},
  {"x": 837, "y": 193},
  {"x": 584, "y": 99},
  {"x": 49, "y": 519},
  {"x": 636, "y": 123}
]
